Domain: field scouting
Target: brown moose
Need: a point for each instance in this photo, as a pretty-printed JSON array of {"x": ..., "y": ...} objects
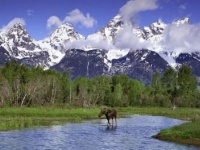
[{"x": 110, "y": 114}]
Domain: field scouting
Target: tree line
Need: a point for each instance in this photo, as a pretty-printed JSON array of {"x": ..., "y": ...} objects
[{"x": 24, "y": 86}]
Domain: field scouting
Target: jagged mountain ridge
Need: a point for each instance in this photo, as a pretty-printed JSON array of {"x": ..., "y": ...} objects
[
  {"x": 20, "y": 46},
  {"x": 17, "y": 41},
  {"x": 56, "y": 42},
  {"x": 17, "y": 44},
  {"x": 140, "y": 64},
  {"x": 48, "y": 52}
]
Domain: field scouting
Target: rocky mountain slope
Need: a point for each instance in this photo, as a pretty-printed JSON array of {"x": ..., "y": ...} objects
[
  {"x": 139, "y": 62},
  {"x": 83, "y": 63},
  {"x": 55, "y": 44},
  {"x": 17, "y": 44}
]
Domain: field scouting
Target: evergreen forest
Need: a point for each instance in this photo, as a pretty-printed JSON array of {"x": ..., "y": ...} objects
[{"x": 35, "y": 87}]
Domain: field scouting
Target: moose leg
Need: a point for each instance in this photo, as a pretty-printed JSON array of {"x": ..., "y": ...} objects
[{"x": 108, "y": 122}]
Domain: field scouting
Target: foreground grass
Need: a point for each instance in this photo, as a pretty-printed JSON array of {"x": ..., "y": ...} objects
[
  {"x": 17, "y": 118},
  {"x": 188, "y": 133}
]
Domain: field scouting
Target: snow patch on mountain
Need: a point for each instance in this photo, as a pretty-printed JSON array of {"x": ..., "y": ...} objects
[
  {"x": 18, "y": 42},
  {"x": 158, "y": 35},
  {"x": 118, "y": 38},
  {"x": 60, "y": 37},
  {"x": 56, "y": 43}
]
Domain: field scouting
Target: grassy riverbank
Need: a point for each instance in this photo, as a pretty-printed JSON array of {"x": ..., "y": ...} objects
[
  {"x": 188, "y": 133},
  {"x": 17, "y": 118},
  {"x": 179, "y": 113}
]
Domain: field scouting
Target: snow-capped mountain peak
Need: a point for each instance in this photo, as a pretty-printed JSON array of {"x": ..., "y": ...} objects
[
  {"x": 155, "y": 28},
  {"x": 16, "y": 31},
  {"x": 19, "y": 26},
  {"x": 115, "y": 22},
  {"x": 18, "y": 42},
  {"x": 19, "y": 35},
  {"x": 112, "y": 28},
  {"x": 158, "y": 27},
  {"x": 63, "y": 34},
  {"x": 21, "y": 47},
  {"x": 56, "y": 43},
  {"x": 185, "y": 20},
  {"x": 108, "y": 52}
]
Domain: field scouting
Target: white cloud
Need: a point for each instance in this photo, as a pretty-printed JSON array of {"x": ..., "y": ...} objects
[
  {"x": 93, "y": 41},
  {"x": 29, "y": 12},
  {"x": 74, "y": 17},
  {"x": 13, "y": 22},
  {"x": 182, "y": 38},
  {"x": 126, "y": 39},
  {"x": 183, "y": 6},
  {"x": 133, "y": 7},
  {"x": 53, "y": 21},
  {"x": 77, "y": 17}
]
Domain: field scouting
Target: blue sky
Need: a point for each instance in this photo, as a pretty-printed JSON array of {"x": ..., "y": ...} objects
[{"x": 40, "y": 17}]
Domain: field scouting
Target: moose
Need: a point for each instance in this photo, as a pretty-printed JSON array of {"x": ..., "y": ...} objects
[{"x": 109, "y": 113}]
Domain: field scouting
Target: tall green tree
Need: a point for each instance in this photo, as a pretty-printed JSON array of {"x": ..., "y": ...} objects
[
  {"x": 135, "y": 90},
  {"x": 169, "y": 84},
  {"x": 187, "y": 85}
]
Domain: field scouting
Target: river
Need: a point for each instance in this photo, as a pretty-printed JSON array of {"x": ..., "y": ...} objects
[{"x": 131, "y": 133}]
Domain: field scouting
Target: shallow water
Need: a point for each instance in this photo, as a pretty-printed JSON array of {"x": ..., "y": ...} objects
[{"x": 132, "y": 133}]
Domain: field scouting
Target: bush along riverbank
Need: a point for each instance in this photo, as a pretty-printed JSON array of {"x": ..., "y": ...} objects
[{"x": 187, "y": 133}]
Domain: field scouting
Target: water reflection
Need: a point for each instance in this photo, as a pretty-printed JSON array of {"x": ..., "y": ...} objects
[
  {"x": 130, "y": 133},
  {"x": 106, "y": 128},
  {"x": 111, "y": 128}
]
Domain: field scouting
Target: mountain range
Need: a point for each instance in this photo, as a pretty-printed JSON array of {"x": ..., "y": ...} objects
[{"x": 118, "y": 48}]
